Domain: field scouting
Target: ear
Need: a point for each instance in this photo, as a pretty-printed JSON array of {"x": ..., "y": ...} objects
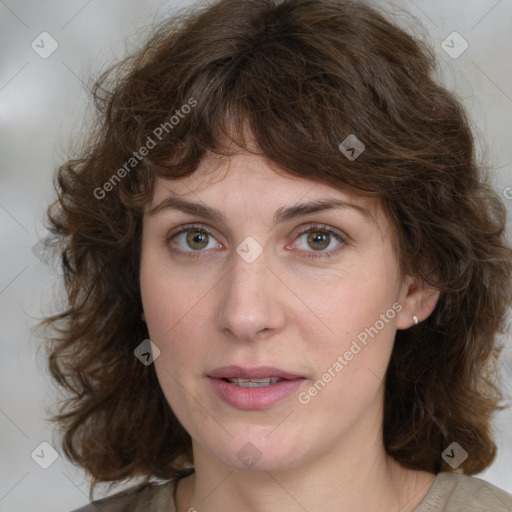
[{"x": 417, "y": 299}]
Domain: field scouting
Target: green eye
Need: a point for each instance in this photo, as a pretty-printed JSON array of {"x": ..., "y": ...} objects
[
  {"x": 192, "y": 240},
  {"x": 319, "y": 238}
]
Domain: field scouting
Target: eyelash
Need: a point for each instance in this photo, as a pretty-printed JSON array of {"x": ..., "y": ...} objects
[{"x": 313, "y": 228}]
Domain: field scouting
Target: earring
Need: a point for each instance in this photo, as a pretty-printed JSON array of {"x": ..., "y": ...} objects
[{"x": 415, "y": 318}]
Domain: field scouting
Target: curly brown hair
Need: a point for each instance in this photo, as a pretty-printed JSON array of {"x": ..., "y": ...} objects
[{"x": 299, "y": 76}]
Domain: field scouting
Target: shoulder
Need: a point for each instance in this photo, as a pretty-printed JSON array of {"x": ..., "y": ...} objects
[
  {"x": 149, "y": 497},
  {"x": 452, "y": 492}
]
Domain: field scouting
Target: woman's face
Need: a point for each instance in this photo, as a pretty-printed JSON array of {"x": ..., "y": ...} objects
[{"x": 262, "y": 283}]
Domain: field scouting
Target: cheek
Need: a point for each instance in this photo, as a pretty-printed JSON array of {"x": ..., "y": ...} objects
[
  {"x": 364, "y": 297},
  {"x": 171, "y": 315},
  {"x": 361, "y": 315},
  {"x": 166, "y": 297},
  {"x": 172, "y": 323},
  {"x": 174, "y": 306},
  {"x": 351, "y": 365}
]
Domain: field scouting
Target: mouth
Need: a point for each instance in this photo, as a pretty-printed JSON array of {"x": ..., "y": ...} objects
[
  {"x": 253, "y": 377},
  {"x": 253, "y": 388},
  {"x": 254, "y": 383}
]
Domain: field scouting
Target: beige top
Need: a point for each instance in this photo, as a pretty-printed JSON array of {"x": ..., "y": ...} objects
[{"x": 450, "y": 492}]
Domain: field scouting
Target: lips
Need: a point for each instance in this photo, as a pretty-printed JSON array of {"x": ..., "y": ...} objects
[
  {"x": 260, "y": 372},
  {"x": 256, "y": 391}
]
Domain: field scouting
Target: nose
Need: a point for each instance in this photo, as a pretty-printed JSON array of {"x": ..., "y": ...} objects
[{"x": 251, "y": 299}]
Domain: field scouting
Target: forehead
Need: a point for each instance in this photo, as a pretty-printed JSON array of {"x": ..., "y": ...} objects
[{"x": 254, "y": 184}]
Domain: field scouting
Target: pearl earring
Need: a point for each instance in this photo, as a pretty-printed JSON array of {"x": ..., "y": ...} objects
[{"x": 415, "y": 318}]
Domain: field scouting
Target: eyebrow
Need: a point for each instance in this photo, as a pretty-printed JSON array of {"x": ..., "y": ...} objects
[{"x": 282, "y": 214}]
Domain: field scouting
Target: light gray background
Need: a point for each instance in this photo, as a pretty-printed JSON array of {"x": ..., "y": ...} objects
[{"x": 42, "y": 103}]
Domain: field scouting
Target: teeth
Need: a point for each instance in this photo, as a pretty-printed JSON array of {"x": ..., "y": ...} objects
[{"x": 254, "y": 383}]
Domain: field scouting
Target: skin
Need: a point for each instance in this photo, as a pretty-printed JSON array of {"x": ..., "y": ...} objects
[{"x": 286, "y": 310}]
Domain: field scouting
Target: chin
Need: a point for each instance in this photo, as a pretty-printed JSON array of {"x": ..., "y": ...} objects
[{"x": 246, "y": 452}]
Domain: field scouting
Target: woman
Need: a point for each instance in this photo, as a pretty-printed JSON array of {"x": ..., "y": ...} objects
[{"x": 285, "y": 272}]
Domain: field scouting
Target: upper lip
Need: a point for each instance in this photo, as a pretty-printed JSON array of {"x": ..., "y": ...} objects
[{"x": 257, "y": 372}]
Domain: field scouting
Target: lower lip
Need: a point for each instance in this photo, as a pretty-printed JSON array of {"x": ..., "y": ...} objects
[{"x": 254, "y": 398}]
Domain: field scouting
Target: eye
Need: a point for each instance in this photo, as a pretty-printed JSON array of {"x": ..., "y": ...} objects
[
  {"x": 192, "y": 239},
  {"x": 319, "y": 238}
]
